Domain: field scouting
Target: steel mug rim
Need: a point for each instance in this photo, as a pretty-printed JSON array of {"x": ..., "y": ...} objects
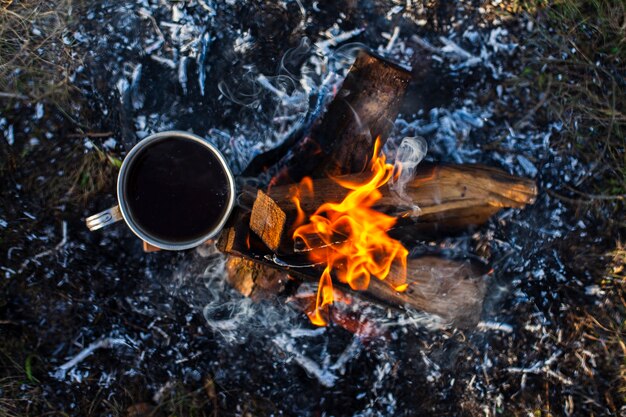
[{"x": 128, "y": 218}]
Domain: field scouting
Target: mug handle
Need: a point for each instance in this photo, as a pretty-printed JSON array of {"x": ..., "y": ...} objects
[{"x": 104, "y": 218}]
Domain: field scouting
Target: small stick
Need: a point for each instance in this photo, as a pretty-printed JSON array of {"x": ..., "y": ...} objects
[
  {"x": 14, "y": 95},
  {"x": 324, "y": 376},
  {"x": 108, "y": 342},
  {"x": 492, "y": 325},
  {"x": 90, "y": 135},
  {"x": 47, "y": 252}
]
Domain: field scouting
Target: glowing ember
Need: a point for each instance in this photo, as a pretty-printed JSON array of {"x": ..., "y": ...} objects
[{"x": 367, "y": 252}]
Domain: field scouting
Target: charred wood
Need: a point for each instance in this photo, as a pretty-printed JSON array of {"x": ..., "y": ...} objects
[{"x": 343, "y": 139}]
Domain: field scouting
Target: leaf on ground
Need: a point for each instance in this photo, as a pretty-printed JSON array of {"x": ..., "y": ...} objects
[{"x": 28, "y": 368}]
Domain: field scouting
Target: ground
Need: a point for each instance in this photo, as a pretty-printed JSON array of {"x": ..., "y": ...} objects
[{"x": 534, "y": 88}]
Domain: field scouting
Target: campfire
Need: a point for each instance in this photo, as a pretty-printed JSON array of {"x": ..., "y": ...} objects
[
  {"x": 329, "y": 215},
  {"x": 355, "y": 244}
]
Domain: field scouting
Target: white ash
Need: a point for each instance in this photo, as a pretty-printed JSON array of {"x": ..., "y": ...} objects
[
  {"x": 39, "y": 111},
  {"x": 9, "y": 135},
  {"x": 527, "y": 166},
  {"x": 244, "y": 42},
  {"x": 49, "y": 252},
  {"x": 110, "y": 144},
  {"x": 322, "y": 373},
  {"x": 543, "y": 367},
  {"x": 491, "y": 325},
  {"x": 448, "y": 131},
  {"x": 334, "y": 38},
  {"x": 411, "y": 319}
]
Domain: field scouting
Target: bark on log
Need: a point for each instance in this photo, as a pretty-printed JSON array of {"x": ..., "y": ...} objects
[
  {"x": 364, "y": 108},
  {"x": 449, "y": 288},
  {"x": 450, "y": 197}
]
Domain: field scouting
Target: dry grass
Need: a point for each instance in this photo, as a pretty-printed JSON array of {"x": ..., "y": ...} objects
[
  {"x": 575, "y": 64},
  {"x": 36, "y": 58},
  {"x": 95, "y": 174},
  {"x": 617, "y": 274},
  {"x": 577, "y": 61},
  {"x": 77, "y": 175},
  {"x": 21, "y": 393}
]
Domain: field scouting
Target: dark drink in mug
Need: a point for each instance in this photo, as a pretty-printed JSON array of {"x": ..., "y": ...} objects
[{"x": 175, "y": 191}]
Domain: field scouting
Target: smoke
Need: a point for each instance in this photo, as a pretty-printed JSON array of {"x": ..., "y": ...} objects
[{"x": 410, "y": 153}]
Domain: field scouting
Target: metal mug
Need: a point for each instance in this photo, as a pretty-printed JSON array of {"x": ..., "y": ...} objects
[{"x": 122, "y": 212}]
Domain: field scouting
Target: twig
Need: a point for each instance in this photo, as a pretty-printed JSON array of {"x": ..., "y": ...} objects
[
  {"x": 108, "y": 342},
  {"x": 544, "y": 367},
  {"x": 146, "y": 13},
  {"x": 47, "y": 252},
  {"x": 13, "y": 95},
  {"x": 167, "y": 62},
  {"x": 492, "y": 325},
  {"x": 90, "y": 135},
  {"x": 323, "y": 375},
  {"x": 425, "y": 44},
  {"x": 597, "y": 196},
  {"x": 324, "y": 45},
  {"x": 392, "y": 39},
  {"x": 592, "y": 198},
  {"x": 206, "y": 7},
  {"x": 349, "y": 353}
]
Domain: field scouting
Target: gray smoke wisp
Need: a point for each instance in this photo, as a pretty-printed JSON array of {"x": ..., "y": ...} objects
[{"x": 410, "y": 153}]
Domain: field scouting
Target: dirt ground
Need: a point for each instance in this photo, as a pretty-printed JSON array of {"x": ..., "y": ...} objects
[{"x": 85, "y": 81}]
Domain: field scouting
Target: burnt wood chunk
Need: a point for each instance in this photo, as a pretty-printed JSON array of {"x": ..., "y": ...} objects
[
  {"x": 253, "y": 279},
  {"x": 267, "y": 220},
  {"x": 365, "y": 108},
  {"x": 342, "y": 141}
]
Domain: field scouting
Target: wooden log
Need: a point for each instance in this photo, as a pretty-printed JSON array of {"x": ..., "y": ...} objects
[
  {"x": 450, "y": 198},
  {"x": 342, "y": 141},
  {"x": 451, "y": 289},
  {"x": 254, "y": 280}
]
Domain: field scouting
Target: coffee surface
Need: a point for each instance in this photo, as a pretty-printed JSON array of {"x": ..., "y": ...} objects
[{"x": 176, "y": 190}]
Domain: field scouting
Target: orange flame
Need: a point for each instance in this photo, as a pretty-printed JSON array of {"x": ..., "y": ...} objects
[
  {"x": 305, "y": 186},
  {"x": 367, "y": 252}
]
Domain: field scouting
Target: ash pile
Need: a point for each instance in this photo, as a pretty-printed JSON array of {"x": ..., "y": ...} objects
[{"x": 251, "y": 77}]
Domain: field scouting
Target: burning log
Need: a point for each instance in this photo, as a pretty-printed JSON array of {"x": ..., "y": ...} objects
[
  {"x": 452, "y": 289},
  {"x": 342, "y": 141},
  {"x": 450, "y": 198}
]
